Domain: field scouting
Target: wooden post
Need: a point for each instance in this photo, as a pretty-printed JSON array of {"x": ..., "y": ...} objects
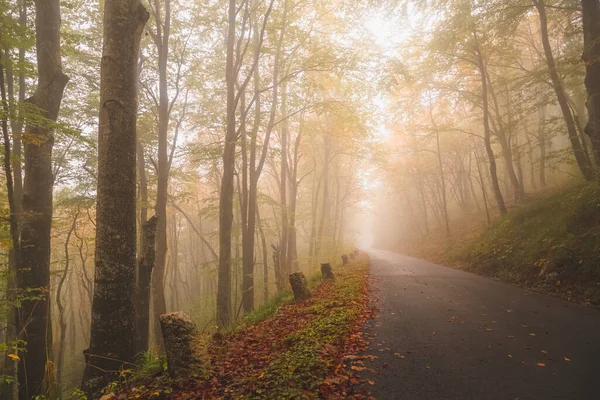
[
  {"x": 327, "y": 271},
  {"x": 299, "y": 286},
  {"x": 187, "y": 355}
]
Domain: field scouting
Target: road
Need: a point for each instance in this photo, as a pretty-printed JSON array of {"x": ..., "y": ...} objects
[{"x": 447, "y": 334}]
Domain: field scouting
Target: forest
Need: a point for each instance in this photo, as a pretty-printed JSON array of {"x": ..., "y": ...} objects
[{"x": 163, "y": 157}]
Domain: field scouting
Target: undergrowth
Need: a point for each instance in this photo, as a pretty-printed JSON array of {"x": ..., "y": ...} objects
[{"x": 550, "y": 244}]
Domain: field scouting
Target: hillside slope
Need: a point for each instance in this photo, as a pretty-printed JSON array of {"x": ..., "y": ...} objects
[{"x": 550, "y": 244}]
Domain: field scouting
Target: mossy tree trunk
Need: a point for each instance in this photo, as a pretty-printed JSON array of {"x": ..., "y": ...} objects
[
  {"x": 113, "y": 330},
  {"x": 33, "y": 269}
]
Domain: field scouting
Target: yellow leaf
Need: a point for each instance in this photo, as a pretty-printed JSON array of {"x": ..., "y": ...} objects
[
  {"x": 14, "y": 357},
  {"x": 567, "y": 359}
]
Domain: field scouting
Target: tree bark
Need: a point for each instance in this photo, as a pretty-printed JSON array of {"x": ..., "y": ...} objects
[
  {"x": 33, "y": 272},
  {"x": 583, "y": 161},
  {"x": 591, "y": 57},
  {"x": 226, "y": 196},
  {"x": 487, "y": 132},
  {"x": 113, "y": 330},
  {"x": 161, "y": 40},
  {"x": 145, "y": 266}
]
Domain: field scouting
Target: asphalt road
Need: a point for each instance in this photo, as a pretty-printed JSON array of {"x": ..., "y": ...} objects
[{"x": 463, "y": 336}]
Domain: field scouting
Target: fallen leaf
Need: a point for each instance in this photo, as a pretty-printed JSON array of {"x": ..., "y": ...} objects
[
  {"x": 509, "y": 356},
  {"x": 532, "y": 334},
  {"x": 541, "y": 364},
  {"x": 544, "y": 351},
  {"x": 489, "y": 330},
  {"x": 370, "y": 382},
  {"x": 567, "y": 359},
  {"x": 427, "y": 366}
]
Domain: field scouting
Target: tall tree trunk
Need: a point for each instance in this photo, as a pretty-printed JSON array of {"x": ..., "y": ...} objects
[
  {"x": 285, "y": 223},
  {"x": 441, "y": 169},
  {"x": 226, "y": 195},
  {"x": 62, "y": 314},
  {"x": 265, "y": 256},
  {"x": 583, "y": 161},
  {"x": 113, "y": 330},
  {"x": 325, "y": 202},
  {"x": 10, "y": 389},
  {"x": 145, "y": 265},
  {"x": 487, "y": 132},
  {"x": 591, "y": 56},
  {"x": 161, "y": 40},
  {"x": 542, "y": 144},
  {"x": 250, "y": 206},
  {"x": 33, "y": 273}
]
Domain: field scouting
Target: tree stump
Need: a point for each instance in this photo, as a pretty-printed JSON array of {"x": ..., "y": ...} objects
[
  {"x": 299, "y": 286},
  {"x": 344, "y": 259},
  {"x": 187, "y": 355},
  {"x": 327, "y": 271}
]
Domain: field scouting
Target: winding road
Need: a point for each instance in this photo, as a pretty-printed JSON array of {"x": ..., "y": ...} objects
[{"x": 447, "y": 334}]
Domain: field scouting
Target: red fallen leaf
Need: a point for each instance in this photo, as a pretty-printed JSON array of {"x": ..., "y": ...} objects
[
  {"x": 370, "y": 382},
  {"x": 541, "y": 364},
  {"x": 354, "y": 381},
  {"x": 355, "y": 368}
]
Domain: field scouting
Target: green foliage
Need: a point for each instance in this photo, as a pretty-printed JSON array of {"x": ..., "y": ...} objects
[
  {"x": 550, "y": 244},
  {"x": 149, "y": 364},
  {"x": 269, "y": 308}
]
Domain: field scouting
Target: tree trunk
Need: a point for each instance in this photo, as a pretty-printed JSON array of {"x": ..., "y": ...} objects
[
  {"x": 145, "y": 266},
  {"x": 542, "y": 145},
  {"x": 33, "y": 273},
  {"x": 583, "y": 161},
  {"x": 265, "y": 256},
  {"x": 487, "y": 134},
  {"x": 161, "y": 40},
  {"x": 113, "y": 330},
  {"x": 226, "y": 195},
  {"x": 10, "y": 389},
  {"x": 62, "y": 314},
  {"x": 591, "y": 56}
]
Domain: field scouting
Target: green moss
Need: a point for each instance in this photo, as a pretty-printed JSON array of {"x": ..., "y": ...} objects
[{"x": 299, "y": 371}]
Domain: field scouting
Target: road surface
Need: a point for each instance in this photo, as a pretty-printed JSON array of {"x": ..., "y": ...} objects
[{"x": 448, "y": 334}]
